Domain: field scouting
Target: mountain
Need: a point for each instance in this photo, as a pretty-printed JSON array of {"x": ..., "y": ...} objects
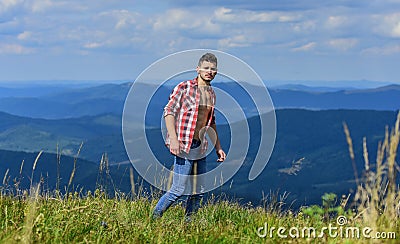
[
  {"x": 36, "y": 91},
  {"x": 115, "y": 92},
  {"x": 299, "y": 87},
  {"x": 74, "y": 102},
  {"x": 387, "y": 88},
  {"x": 310, "y": 156},
  {"x": 350, "y": 84},
  {"x": 20, "y": 168},
  {"x": 67, "y": 102},
  {"x": 384, "y": 98},
  {"x": 28, "y": 134}
]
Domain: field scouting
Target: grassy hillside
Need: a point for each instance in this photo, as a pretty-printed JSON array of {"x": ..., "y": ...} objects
[{"x": 94, "y": 218}]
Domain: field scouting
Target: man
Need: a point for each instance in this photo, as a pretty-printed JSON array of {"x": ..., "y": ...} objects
[{"x": 189, "y": 115}]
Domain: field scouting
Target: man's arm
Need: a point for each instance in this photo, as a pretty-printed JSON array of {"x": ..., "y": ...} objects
[
  {"x": 170, "y": 111},
  {"x": 173, "y": 138},
  {"x": 218, "y": 149}
]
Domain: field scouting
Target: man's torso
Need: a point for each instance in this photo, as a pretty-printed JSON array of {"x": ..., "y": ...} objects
[{"x": 204, "y": 111}]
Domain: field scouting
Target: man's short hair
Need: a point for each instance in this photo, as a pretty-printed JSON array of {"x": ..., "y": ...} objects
[{"x": 208, "y": 57}]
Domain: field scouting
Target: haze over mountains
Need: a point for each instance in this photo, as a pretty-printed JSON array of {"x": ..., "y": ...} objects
[
  {"x": 310, "y": 156},
  {"x": 65, "y": 102},
  {"x": 381, "y": 98}
]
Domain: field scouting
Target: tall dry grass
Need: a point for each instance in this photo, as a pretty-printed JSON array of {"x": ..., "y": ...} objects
[{"x": 377, "y": 198}]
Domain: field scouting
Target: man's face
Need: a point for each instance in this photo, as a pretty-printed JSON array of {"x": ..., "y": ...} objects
[{"x": 207, "y": 71}]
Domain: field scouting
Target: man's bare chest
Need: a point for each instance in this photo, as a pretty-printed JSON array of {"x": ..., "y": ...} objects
[{"x": 206, "y": 100}]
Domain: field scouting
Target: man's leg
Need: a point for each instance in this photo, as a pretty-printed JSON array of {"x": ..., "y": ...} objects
[
  {"x": 182, "y": 169},
  {"x": 193, "y": 201}
]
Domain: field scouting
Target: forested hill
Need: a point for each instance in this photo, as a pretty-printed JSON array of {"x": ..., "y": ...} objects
[{"x": 310, "y": 156}]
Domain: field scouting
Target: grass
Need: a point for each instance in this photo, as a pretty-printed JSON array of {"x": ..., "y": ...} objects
[
  {"x": 94, "y": 218},
  {"x": 39, "y": 216}
]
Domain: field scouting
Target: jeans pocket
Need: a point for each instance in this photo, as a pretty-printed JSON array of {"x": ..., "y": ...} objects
[{"x": 179, "y": 160}]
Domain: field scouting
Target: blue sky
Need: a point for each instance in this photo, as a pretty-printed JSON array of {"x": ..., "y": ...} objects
[{"x": 287, "y": 40}]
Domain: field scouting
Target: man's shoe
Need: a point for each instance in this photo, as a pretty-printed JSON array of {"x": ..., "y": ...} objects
[{"x": 155, "y": 215}]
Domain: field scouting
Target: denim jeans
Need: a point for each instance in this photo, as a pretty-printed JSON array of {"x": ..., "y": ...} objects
[{"x": 183, "y": 168}]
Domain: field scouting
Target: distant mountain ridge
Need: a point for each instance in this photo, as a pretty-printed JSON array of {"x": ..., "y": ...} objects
[
  {"x": 392, "y": 87},
  {"x": 110, "y": 98},
  {"x": 382, "y": 98},
  {"x": 68, "y": 102},
  {"x": 297, "y": 87}
]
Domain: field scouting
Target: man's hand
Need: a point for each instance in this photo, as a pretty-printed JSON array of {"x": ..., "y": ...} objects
[
  {"x": 221, "y": 155},
  {"x": 174, "y": 146}
]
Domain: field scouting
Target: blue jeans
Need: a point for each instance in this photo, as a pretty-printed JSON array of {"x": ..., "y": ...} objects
[{"x": 183, "y": 167}]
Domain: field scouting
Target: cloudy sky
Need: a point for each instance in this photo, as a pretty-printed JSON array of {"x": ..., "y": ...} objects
[{"x": 286, "y": 40}]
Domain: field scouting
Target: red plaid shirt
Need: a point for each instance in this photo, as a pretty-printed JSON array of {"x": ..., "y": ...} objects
[{"x": 183, "y": 104}]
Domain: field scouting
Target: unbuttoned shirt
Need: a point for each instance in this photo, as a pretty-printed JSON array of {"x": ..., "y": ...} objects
[{"x": 183, "y": 104}]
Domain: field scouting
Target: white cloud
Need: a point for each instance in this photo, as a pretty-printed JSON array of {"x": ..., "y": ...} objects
[
  {"x": 26, "y": 35},
  {"x": 343, "y": 44},
  {"x": 396, "y": 30},
  {"x": 223, "y": 27},
  {"x": 153, "y": 28},
  {"x": 336, "y": 21},
  {"x": 6, "y": 5},
  {"x": 307, "y": 47},
  {"x": 174, "y": 19},
  {"x": 246, "y": 16},
  {"x": 388, "y": 24},
  {"x": 184, "y": 23},
  {"x": 125, "y": 19},
  {"x": 59, "y": 6},
  {"x": 319, "y": 23},
  {"x": 122, "y": 18},
  {"x": 93, "y": 45},
  {"x": 10, "y": 10},
  {"x": 64, "y": 23},
  {"x": 305, "y": 26},
  {"x": 385, "y": 50},
  {"x": 14, "y": 49},
  {"x": 235, "y": 41},
  {"x": 181, "y": 19},
  {"x": 42, "y": 5}
]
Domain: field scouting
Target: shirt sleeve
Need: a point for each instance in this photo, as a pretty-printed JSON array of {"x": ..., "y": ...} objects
[
  {"x": 174, "y": 104},
  {"x": 213, "y": 113},
  {"x": 213, "y": 119}
]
